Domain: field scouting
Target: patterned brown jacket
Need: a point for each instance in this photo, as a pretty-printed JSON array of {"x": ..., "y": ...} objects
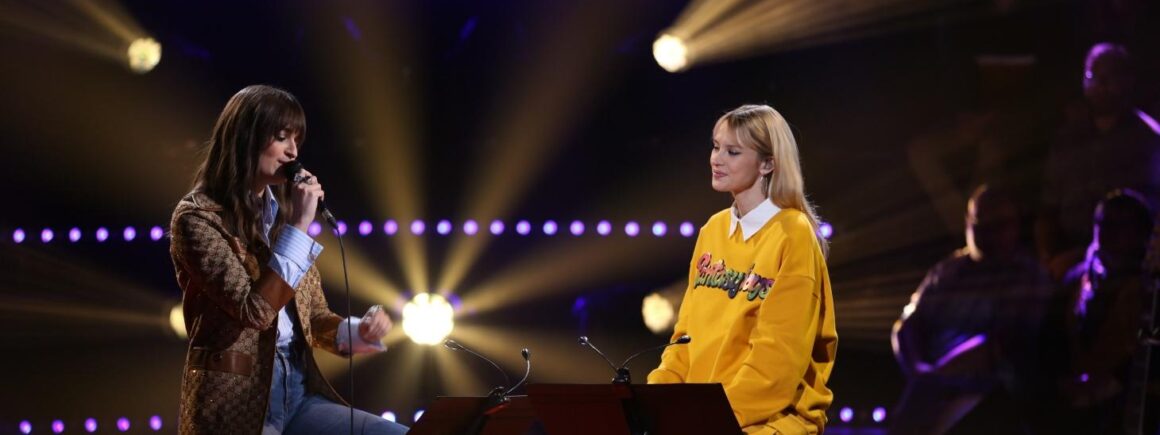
[{"x": 231, "y": 303}]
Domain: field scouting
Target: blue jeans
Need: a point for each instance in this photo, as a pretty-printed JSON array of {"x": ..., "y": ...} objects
[{"x": 293, "y": 411}]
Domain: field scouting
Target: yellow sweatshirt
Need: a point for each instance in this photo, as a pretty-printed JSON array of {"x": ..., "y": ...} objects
[{"x": 761, "y": 317}]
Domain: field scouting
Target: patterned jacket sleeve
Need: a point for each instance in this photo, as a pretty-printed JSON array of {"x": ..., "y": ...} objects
[
  {"x": 201, "y": 248},
  {"x": 323, "y": 322}
]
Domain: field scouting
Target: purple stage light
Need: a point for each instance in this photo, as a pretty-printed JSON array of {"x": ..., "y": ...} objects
[
  {"x": 659, "y": 228},
  {"x": 123, "y": 424},
  {"x": 418, "y": 227},
  {"x": 25, "y": 427},
  {"x": 577, "y": 228},
  {"x": 74, "y": 234},
  {"x": 496, "y": 227},
  {"x": 156, "y": 233},
  {"x": 102, "y": 234},
  {"x": 18, "y": 236},
  {"x": 57, "y": 426},
  {"x": 129, "y": 234},
  {"x": 390, "y": 227},
  {"x": 155, "y": 423},
  {"x": 90, "y": 425},
  {"x": 550, "y": 227},
  {"x": 846, "y": 414},
  {"x": 443, "y": 227},
  {"x": 365, "y": 228},
  {"x": 523, "y": 228},
  {"x": 341, "y": 228},
  {"x": 879, "y": 414},
  {"x": 632, "y": 228},
  {"x": 826, "y": 230},
  {"x": 470, "y": 227},
  {"x": 46, "y": 235},
  {"x": 314, "y": 229},
  {"x": 687, "y": 229},
  {"x": 603, "y": 228}
]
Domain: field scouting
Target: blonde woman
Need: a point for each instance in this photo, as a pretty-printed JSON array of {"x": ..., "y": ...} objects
[{"x": 758, "y": 304}]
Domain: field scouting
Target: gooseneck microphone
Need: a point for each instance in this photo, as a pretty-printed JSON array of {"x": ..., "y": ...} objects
[
  {"x": 453, "y": 345},
  {"x": 527, "y": 354},
  {"x": 293, "y": 172},
  {"x": 623, "y": 376}
]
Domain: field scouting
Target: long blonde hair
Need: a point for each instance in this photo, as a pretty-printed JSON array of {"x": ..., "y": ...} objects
[{"x": 765, "y": 130}]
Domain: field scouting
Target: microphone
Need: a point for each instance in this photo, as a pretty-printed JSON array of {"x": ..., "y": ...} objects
[
  {"x": 623, "y": 376},
  {"x": 453, "y": 345},
  {"x": 293, "y": 172},
  {"x": 527, "y": 354}
]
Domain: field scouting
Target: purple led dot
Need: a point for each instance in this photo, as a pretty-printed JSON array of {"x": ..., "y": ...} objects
[
  {"x": 879, "y": 414},
  {"x": 496, "y": 227},
  {"x": 443, "y": 227},
  {"x": 365, "y": 228},
  {"x": 659, "y": 228},
  {"x": 550, "y": 227},
  {"x": 846, "y": 414},
  {"x": 826, "y": 230},
  {"x": 46, "y": 235},
  {"x": 341, "y": 228},
  {"x": 577, "y": 228},
  {"x": 90, "y": 425},
  {"x": 418, "y": 227},
  {"x": 25, "y": 427},
  {"x": 603, "y": 228},
  {"x": 631, "y": 229},
  {"x": 687, "y": 229},
  {"x": 129, "y": 234},
  {"x": 18, "y": 236},
  {"x": 390, "y": 227},
  {"x": 102, "y": 234},
  {"x": 314, "y": 229},
  {"x": 470, "y": 227},
  {"x": 156, "y": 233},
  {"x": 57, "y": 426},
  {"x": 523, "y": 228},
  {"x": 123, "y": 424},
  {"x": 155, "y": 423},
  {"x": 74, "y": 234}
]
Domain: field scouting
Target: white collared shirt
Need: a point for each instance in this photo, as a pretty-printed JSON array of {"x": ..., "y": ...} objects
[{"x": 752, "y": 221}]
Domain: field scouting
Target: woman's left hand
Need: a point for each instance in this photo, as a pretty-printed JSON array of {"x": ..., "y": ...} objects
[{"x": 375, "y": 325}]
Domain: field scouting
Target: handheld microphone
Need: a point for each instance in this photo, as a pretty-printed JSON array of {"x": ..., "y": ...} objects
[
  {"x": 293, "y": 172},
  {"x": 453, "y": 345},
  {"x": 527, "y": 354},
  {"x": 623, "y": 376}
]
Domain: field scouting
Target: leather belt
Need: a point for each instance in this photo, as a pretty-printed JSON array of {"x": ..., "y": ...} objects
[{"x": 228, "y": 361}]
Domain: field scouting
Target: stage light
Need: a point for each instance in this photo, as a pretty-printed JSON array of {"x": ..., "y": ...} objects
[
  {"x": 90, "y": 425},
  {"x": 443, "y": 227},
  {"x": 826, "y": 230},
  {"x": 603, "y": 228},
  {"x": 577, "y": 228},
  {"x": 102, "y": 234},
  {"x": 879, "y": 414},
  {"x": 418, "y": 227},
  {"x": 74, "y": 234},
  {"x": 470, "y": 227},
  {"x": 18, "y": 236},
  {"x": 523, "y": 228},
  {"x": 365, "y": 228},
  {"x": 177, "y": 321},
  {"x": 129, "y": 234},
  {"x": 144, "y": 54},
  {"x": 341, "y": 228},
  {"x": 428, "y": 318},
  {"x": 687, "y": 229},
  {"x": 314, "y": 229},
  {"x": 659, "y": 229},
  {"x": 46, "y": 235},
  {"x": 156, "y": 233},
  {"x": 496, "y": 227},
  {"x": 57, "y": 426},
  {"x": 123, "y": 424},
  {"x": 389, "y": 416},
  {"x": 657, "y": 312},
  {"x": 550, "y": 228},
  {"x": 418, "y": 414},
  {"x": 155, "y": 423},
  {"x": 670, "y": 53},
  {"x": 25, "y": 427},
  {"x": 846, "y": 414},
  {"x": 631, "y": 229},
  {"x": 390, "y": 227}
]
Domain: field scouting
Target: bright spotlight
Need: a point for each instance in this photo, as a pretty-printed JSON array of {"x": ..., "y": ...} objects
[
  {"x": 46, "y": 235},
  {"x": 631, "y": 229},
  {"x": 496, "y": 227},
  {"x": 18, "y": 236},
  {"x": 177, "y": 321},
  {"x": 687, "y": 229},
  {"x": 443, "y": 227},
  {"x": 658, "y": 313},
  {"x": 670, "y": 52},
  {"x": 102, "y": 234},
  {"x": 390, "y": 227},
  {"x": 418, "y": 415},
  {"x": 129, "y": 234},
  {"x": 390, "y": 416},
  {"x": 470, "y": 227},
  {"x": 428, "y": 318},
  {"x": 144, "y": 54},
  {"x": 603, "y": 228}
]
